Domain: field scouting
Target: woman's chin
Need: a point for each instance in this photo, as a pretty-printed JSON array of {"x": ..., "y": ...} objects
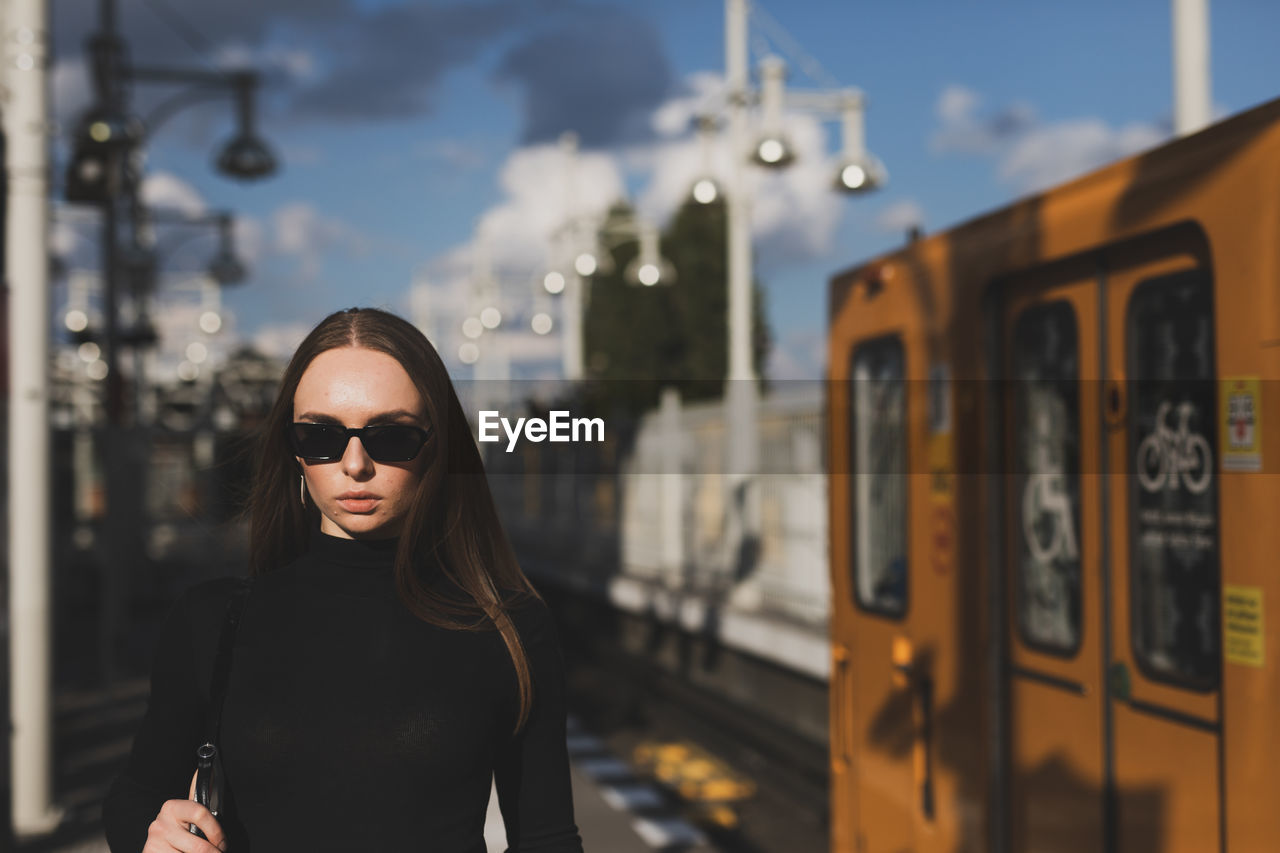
[{"x": 359, "y": 526}]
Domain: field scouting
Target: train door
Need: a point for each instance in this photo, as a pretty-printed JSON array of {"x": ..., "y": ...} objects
[
  {"x": 894, "y": 607},
  {"x": 1162, "y": 503},
  {"x": 1054, "y": 548},
  {"x": 1112, "y": 547}
]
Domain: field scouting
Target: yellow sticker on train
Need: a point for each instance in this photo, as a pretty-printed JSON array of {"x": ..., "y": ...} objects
[
  {"x": 1242, "y": 423},
  {"x": 1242, "y": 633}
]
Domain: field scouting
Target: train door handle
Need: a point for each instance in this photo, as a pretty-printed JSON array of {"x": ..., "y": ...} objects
[
  {"x": 908, "y": 672},
  {"x": 842, "y": 708},
  {"x": 924, "y": 692}
]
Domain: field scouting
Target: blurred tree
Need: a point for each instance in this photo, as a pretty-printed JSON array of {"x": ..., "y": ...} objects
[{"x": 639, "y": 339}]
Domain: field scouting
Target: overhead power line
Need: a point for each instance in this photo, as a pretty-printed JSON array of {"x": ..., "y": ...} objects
[
  {"x": 184, "y": 29},
  {"x": 791, "y": 48}
]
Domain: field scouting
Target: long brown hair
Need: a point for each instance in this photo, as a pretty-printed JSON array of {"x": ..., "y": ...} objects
[{"x": 452, "y": 524}]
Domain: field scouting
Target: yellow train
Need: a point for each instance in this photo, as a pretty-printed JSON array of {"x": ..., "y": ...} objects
[{"x": 1055, "y": 517}]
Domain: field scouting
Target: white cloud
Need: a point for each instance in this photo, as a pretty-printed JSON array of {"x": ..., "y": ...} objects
[
  {"x": 956, "y": 104},
  {"x": 74, "y": 235},
  {"x": 63, "y": 238},
  {"x": 900, "y": 216},
  {"x": 794, "y": 211},
  {"x": 1032, "y": 155},
  {"x": 69, "y": 89},
  {"x": 177, "y": 320},
  {"x": 164, "y": 190},
  {"x": 525, "y": 345},
  {"x": 280, "y": 340},
  {"x": 675, "y": 116},
  {"x": 543, "y": 192},
  {"x": 1053, "y": 153},
  {"x": 303, "y": 233},
  {"x": 298, "y": 63},
  {"x": 250, "y": 237},
  {"x": 963, "y": 130},
  {"x": 802, "y": 354}
]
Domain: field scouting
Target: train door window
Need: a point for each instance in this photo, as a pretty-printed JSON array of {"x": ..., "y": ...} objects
[
  {"x": 1046, "y": 489},
  {"x": 1173, "y": 504},
  {"x": 879, "y": 418}
]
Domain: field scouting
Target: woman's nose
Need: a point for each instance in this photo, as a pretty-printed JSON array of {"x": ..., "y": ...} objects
[{"x": 355, "y": 460}]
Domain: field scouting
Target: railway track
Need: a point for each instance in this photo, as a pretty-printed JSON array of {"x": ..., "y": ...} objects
[{"x": 633, "y": 703}]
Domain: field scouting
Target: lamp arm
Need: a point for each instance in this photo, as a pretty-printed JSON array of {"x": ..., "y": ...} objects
[
  {"x": 191, "y": 77},
  {"x": 830, "y": 103},
  {"x": 205, "y": 86},
  {"x": 170, "y": 217},
  {"x": 170, "y": 106}
]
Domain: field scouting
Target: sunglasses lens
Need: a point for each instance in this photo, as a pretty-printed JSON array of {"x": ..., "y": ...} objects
[
  {"x": 394, "y": 442},
  {"x": 318, "y": 441}
]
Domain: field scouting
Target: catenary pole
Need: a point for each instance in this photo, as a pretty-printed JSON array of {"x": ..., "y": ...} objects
[
  {"x": 1192, "y": 101},
  {"x": 26, "y": 124},
  {"x": 572, "y": 301},
  {"x": 740, "y": 390}
]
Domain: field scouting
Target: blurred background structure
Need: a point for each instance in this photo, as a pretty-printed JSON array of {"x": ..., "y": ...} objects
[{"x": 626, "y": 209}]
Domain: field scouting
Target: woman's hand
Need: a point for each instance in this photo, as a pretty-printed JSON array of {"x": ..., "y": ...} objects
[{"x": 169, "y": 831}]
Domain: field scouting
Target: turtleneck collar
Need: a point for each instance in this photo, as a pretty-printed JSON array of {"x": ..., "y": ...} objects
[{"x": 354, "y": 553}]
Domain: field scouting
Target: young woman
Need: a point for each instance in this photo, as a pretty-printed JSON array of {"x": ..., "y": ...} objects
[{"x": 391, "y": 657}]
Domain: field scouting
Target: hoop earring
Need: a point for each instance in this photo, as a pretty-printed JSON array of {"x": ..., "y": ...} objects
[{"x": 302, "y": 489}]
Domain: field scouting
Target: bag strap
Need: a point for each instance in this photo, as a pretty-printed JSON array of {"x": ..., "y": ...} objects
[{"x": 222, "y": 663}]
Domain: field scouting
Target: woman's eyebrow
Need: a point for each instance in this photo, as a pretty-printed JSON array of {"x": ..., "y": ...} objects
[
  {"x": 317, "y": 418},
  {"x": 394, "y": 415},
  {"x": 381, "y": 417}
]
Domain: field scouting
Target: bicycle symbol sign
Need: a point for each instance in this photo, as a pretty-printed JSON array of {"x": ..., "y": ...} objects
[{"x": 1170, "y": 458}]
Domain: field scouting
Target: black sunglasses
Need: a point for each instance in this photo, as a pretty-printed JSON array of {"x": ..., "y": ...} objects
[{"x": 383, "y": 443}]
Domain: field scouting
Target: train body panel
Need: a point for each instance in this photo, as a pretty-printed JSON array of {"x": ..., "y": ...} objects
[{"x": 1053, "y": 447}]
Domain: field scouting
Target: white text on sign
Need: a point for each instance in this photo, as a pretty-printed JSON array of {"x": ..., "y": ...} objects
[{"x": 559, "y": 428}]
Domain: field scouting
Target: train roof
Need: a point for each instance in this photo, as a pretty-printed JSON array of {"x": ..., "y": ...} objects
[{"x": 1122, "y": 189}]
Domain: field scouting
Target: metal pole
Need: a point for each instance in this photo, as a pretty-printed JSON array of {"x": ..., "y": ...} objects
[
  {"x": 121, "y": 520},
  {"x": 672, "y": 494},
  {"x": 571, "y": 351},
  {"x": 1192, "y": 101},
  {"x": 109, "y": 89},
  {"x": 27, "y": 233},
  {"x": 740, "y": 390}
]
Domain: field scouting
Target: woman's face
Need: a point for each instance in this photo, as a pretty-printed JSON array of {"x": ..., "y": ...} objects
[{"x": 355, "y": 387}]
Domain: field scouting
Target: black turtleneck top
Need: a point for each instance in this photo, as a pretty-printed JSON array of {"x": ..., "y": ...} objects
[{"x": 349, "y": 724}]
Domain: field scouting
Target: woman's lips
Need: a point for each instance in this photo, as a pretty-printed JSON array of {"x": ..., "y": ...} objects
[{"x": 359, "y": 504}]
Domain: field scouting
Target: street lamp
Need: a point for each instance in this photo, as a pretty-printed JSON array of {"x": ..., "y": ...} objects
[
  {"x": 246, "y": 156},
  {"x": 649, "y": 267},
  {"x": 858, "y": 171},
  {"x": 105, "y": 166},
  {"x": 105, "y": 171},
  {"x": 553, "y": 282},
  {"x": 772, "y": 149},
  {"x": 705, "y": 189},
  {"x": 541, "y": 323},
  {"x": 138, "y": 264},
  {"x": 226, "y": 268}
]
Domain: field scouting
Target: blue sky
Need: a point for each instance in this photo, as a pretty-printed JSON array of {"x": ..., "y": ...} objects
[{"x": 406, "y": 129}]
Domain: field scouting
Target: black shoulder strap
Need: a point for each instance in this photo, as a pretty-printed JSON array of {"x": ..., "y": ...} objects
[{"x": 222, "y": 663}]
